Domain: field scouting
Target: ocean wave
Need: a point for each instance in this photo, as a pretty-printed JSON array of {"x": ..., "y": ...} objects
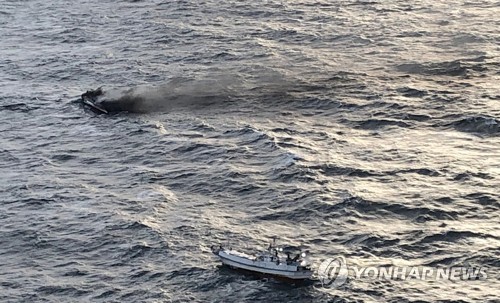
[
  {"x": 381, "y": 123},
  {"x": 485, "y": 199},
  {"x": 454, "y": 236},
  {"x": 21, "y": 107},
  {"x": 371, "y": 241},
  {"x": 396, "y": 209},
  {"x": 477, "y": 124},
  {"x": 335, "y": 170},
  {"x": 450, "y": 68},
  {"x": 411, "y": 92},
  {"x": 324, "y": 123}
]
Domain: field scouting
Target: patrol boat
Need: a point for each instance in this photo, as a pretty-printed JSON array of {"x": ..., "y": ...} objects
[{"x": 267, "y": 262}]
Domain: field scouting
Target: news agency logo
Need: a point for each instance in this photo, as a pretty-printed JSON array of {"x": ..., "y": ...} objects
[{"x": 334, "y": 272}]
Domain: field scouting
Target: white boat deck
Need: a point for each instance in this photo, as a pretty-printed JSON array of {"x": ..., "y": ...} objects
[{"x": 264, "y": 265}]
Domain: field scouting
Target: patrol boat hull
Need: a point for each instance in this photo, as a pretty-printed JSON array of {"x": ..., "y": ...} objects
[{"x": 267, "y": 265}]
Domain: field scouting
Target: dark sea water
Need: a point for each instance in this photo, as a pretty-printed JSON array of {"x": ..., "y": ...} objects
[{"x": 367, "y": 129}]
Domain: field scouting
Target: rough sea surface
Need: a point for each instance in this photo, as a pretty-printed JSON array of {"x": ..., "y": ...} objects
[{"x": 363, "y": 129}]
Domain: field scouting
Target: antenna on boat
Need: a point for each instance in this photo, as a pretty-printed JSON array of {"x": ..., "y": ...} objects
[{"x": 272, "y": 244}]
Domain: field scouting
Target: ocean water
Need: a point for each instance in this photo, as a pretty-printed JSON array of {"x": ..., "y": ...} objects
[{"x": 363, "y": 129}]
